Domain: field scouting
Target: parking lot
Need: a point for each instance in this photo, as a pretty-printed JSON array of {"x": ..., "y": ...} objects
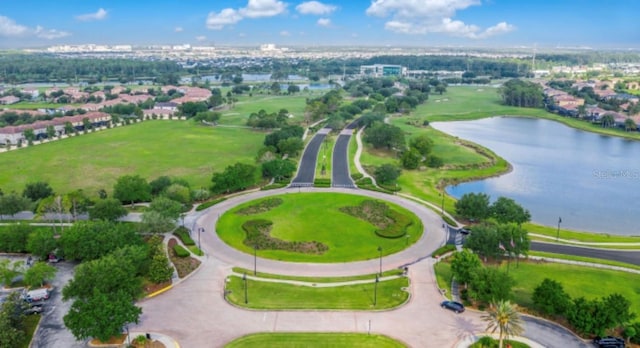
[{"x": 52, "y": 332}]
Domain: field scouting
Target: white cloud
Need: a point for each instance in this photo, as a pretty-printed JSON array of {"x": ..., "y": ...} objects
[
  {"x": 324, "y": 22},
  {"x": 178, "y": 29},
  {"x": 201, "y": 38},
  {"x": 263, "y": 8},
  {"x": 315, "y": 8},
  {"x": 50, "y": 34},
  {"x": 227, "y": 16},
  {"x": 97, "y": 16},
  {"x": 8, "y": 27},
  {"x": 285, "y": 33},
  {"x": 432, "y": 16},
  {"x": 254, "y": 9}
]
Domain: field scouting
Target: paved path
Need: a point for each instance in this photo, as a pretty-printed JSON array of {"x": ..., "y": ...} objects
[
  {"x": 307, "y": 166},
  {"x": 340, "y": 176},
  {"x": 356, "y": 159}
]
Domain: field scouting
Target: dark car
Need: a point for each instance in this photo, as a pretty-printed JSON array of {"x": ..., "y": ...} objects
[
  {"x": 453, "y": 305},
  {"x": 33, "y": 310},
  {"x": 609, "y": 342}
]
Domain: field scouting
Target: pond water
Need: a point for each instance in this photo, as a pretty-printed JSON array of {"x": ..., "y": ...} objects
[{"x": 590, "y": 181}]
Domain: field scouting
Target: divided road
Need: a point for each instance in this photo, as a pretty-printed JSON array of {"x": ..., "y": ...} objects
[
  {"x": 307, "y": 167},
  {"x": 340, "y": 176}
]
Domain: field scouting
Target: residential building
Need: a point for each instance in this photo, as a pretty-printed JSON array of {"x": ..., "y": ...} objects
[
  {"x": 380, "y": 70},
  {"x": 8, "y": 100},
  {"x": 15, "y": 134}
]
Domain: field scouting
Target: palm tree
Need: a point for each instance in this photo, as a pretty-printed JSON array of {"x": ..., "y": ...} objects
[
  {"x": 630, "y": 125},
  {"x": 607, "y": 121},
  {"x": 503, "y": 317}
]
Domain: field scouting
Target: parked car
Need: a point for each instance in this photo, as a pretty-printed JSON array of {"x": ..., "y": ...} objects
[
  {"x": 609, "y": 342},
  {"x": 36, "y": 295},
  {"x": 453, "y": 305},
  {"x": 33, "y": 310},
  {"x": 464, "y": 231},
  {"x": 53, "y": 258}
]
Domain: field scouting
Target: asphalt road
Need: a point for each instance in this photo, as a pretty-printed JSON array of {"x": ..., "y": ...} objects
[
  {"x": 307, "y": 167},
  {"x": 632, "y": 257},
  {"x": 340, "y": 176}
]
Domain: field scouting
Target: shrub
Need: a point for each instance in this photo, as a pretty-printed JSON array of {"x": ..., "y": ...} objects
[
  {"x": 258, "y": 236},
  {"x": 392, "y": 188},
  {"x": 260, "y": 207},
  {"x": 274, "y": 186},
  {"x": 208, "y": 204},
  {"x": 357, "y": 176},
  {"x": 396, "y": 229},
  {"x": 364, "y": 181},
  {"x": 180, "y": 251},
  {"x": 322, "y": 182},
  {"x": 183, "y": 233},
  {"x": 13, "y": 238},
  {"x": 443, "y": 250},
  {"x": 201, "y": 195}
]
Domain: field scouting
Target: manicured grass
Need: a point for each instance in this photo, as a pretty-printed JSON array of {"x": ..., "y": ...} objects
[
  {"x": 583, "y": 259},
  {"x": 324, "y": 157},
  {"x": 314, "y": 340},
  {"x": 153, "y": 148},
  {"x": 239, "y": 113},
  {"x": 316, "y": 216},
  {"x": 581, "y": 236},
  {"x": 269, "y": 295},
  {"x": 576, "y": 280},
  {"x": 30, "y": 325},
  {"x": 394, "y": 272},
  {"x": 443, "y": 276},
  {"x": 194, "y": 249}
]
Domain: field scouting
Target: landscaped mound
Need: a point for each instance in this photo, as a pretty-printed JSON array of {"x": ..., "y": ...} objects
[
  {"x": 389, "y": 223},
  {"x": 259, "y": 236},
  {"x": 262, "y": 207}
]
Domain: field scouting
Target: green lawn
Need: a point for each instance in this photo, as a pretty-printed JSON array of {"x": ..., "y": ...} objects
[
  {"x": 239, "y": 113},
  {"x": 443, "y": 276},
  {"x": 324, "y": 157},
  {"x": 94, "y": 161},
  {"x": 580, "y": 236},
  {"x": 315, "y": 216},
  {"x": 393, "y": 272},
  {"x": 314, "y": 340},
  {"x": 36, "y": 105},
  {"x": 269, "y": 295},
  {"x": 583, "y": 259},
  {"x": 576, "y": 280},
  {"x": 30, "y": 325}
]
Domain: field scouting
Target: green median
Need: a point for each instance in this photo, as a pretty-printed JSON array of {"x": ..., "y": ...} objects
[{"x": 314, "y": 340}]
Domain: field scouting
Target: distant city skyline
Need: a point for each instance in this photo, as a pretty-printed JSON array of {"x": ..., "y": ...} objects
[{"x": 469, "y": 23}]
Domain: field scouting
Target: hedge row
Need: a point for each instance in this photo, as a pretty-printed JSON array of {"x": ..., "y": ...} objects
[
  {"x": 258, "y": 237},
  {"x": 183, "y": 233},
  {"x": 273, "y": 186},
  {"x": 356, "y": 176},
  {"x": 443, "y": 250},
  {"x": 211, "y": 203},
  {"x": 180, "y": 251},
  {"x": 397, "y": 229}
]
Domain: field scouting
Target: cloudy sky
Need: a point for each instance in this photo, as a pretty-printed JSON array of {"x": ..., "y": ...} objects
[{"x": 478, "y": 23}]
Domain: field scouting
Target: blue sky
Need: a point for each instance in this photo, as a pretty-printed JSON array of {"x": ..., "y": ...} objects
[{"x": 475, "y": 23}]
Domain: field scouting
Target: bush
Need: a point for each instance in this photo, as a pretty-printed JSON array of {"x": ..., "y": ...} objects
[
  {"x": 260, "y": 207},
  {"x": 364, "y": 181},
  {"x": 13, "y": 238},
  {"x": 398, "y": 228},
  {"x": 180, "y": 251},
  {"x": 357, "y": 176},
  {"x": 208, "y": 204},
  {"x": 183, "y": 233},
  {"x": 274, "y": 186},
  {"x": 322, "y": 183},
  {"x": 443, "y": 250}
]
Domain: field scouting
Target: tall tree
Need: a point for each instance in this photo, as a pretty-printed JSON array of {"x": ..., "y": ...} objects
[
  {"x": 37, "y": 190},
  {"x": 506, "y": 210},
  {"x": 109, "y": 209},
  {"x": 235, "y": 177},
  {"x": 41, "y": 242},
  {"x": 382, "y": 135},
  {"x": 131, "y": 189},
  {"x": 39, "y": 273},
  {"x": 504, "y": 318},
  {"x": 464, "y": 265},
  {"x": 387, "y": 173},
  {"x": 473, "y": 206},
  {"x": 550, "y": 298}
]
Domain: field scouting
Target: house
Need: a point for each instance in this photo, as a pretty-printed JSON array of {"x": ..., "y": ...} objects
[
  {"x": 15, "y": 134},
  {"x": 8, "y": 100},
  {"x": 170, "y": 106},
  {"x": 32, "y": 92},
  {"x": 161, "y": 113}
]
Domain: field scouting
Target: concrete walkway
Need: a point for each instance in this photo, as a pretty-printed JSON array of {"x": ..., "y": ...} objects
[{"x": 356, "y": 158}]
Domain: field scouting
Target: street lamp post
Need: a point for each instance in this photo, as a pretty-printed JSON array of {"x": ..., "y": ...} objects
[
  {"x": 375, "y": 291},
  {"x": 244, "y": 278},
  {"x": 558, "y": 233},
  {"x": 380, "y": 251},
  {"x": 200, "y": 230}
]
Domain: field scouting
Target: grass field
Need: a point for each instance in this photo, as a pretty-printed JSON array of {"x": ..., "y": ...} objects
[
  {"x": 583, "y": 259},
  {"x": 36, "y": 105},
  {"x": 576, "y": 280},
  {"x": 239, "y": 113},
  {"x": 393, "y": 272},
  {"x": 94, "y": 161},
  {"x": 580, "y": 236},
  {"x": 269, "y": 295},
  {"x": 315, "y": 216},
  {"x": 314, "y": 340}
]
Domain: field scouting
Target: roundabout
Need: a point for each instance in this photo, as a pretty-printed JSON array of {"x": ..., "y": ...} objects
[{"x": 196, "y": 313}]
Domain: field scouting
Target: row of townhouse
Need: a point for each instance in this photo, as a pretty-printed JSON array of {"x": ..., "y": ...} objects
[{"x": 15, "y": 134}]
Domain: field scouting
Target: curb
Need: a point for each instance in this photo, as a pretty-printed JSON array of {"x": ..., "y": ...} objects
[{"x": 154, "y": 294}]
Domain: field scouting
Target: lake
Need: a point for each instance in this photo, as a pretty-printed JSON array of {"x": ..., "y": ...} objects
[{"x": 591, "y": 181}]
